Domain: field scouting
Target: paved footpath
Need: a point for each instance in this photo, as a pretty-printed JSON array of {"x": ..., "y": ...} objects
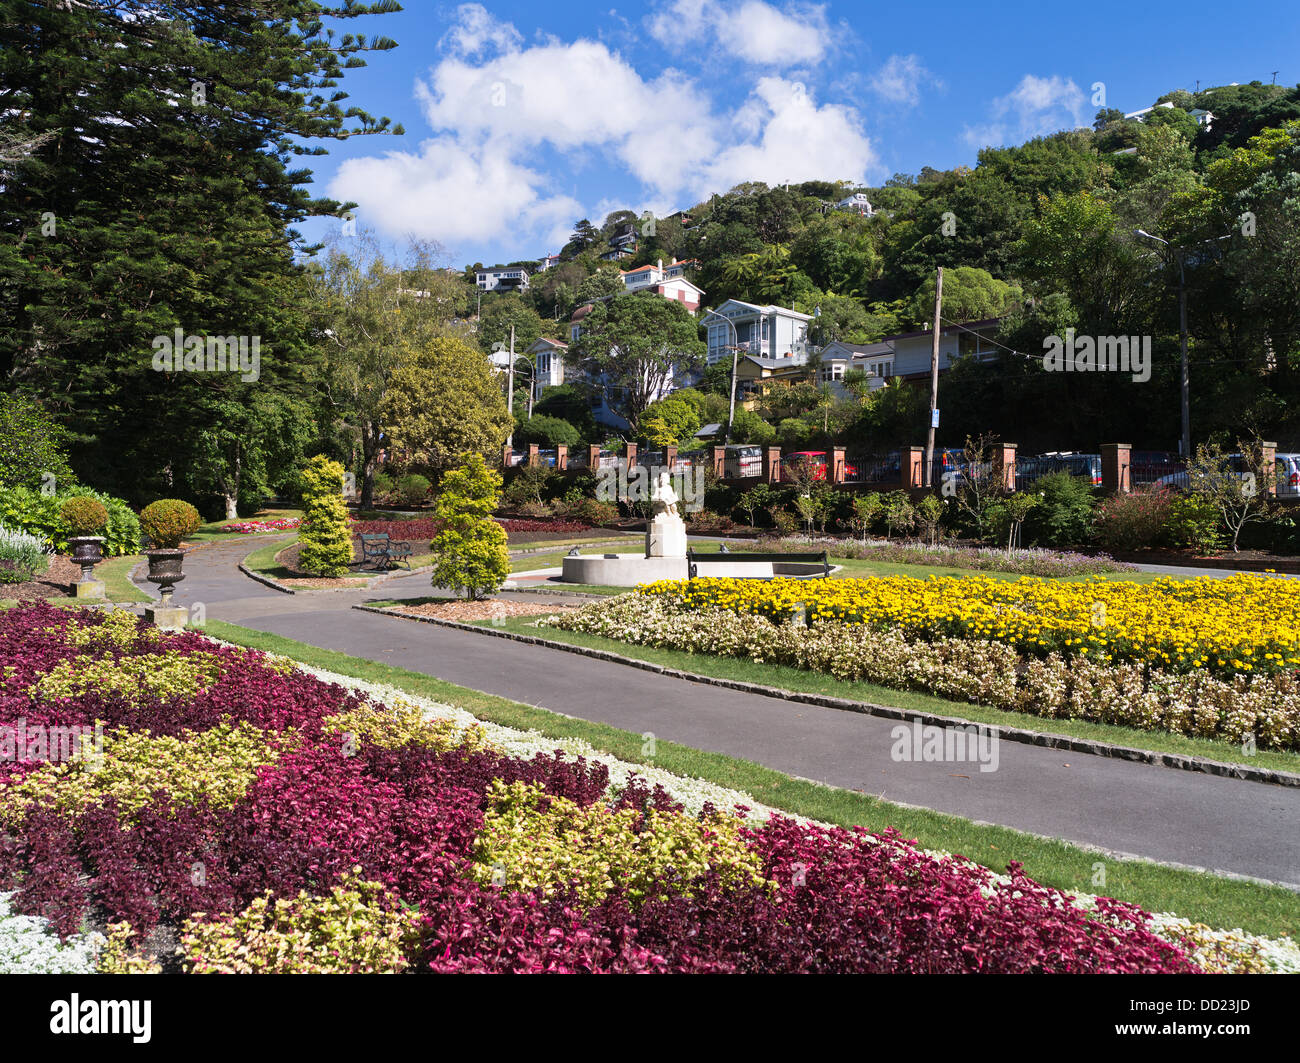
[{"x": 1160, "y": 813}]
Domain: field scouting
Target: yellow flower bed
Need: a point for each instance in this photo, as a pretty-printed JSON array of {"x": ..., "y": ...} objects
[{"x": 1240, "y": 625}]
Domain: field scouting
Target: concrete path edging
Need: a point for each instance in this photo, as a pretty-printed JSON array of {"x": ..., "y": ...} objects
[{"x": 1047, "y": 739}]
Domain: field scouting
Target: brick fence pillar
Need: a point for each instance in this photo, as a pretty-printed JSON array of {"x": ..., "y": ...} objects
[
  {"x": 561, "y": 456},
  {"x": 912, "y": 467},
  {"x": 1117, "y": 468},
  {"x": 630, "y": 454},
  {"x": 720, "y": 461},
  {"x": 772, "y": 464},
  {"x": 670, "y": 457},
  {"x": 1004, "y": 466},
  {"x": 1269, "y": 462},
  {"x": 507, "y": 452},
  {"x": 593, "y": 457},
  {"x": 837, "y": 465},
  {"x": 532, "y": 453}
]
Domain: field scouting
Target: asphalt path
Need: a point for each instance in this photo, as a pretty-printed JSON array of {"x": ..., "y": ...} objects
[{"x": 1159, "y": 813}]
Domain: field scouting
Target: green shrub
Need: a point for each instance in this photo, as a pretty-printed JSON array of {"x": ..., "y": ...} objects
[
  {"x": 167, "y": 522},
  {"x": 22, "y": 555},
  {"x": 84, "y": 515},
  {"x": 39, "y": 514},
  {"x": 470, "y": 550},
  {"x": 414, "y": 489},
  {"x": 1194, "y": 521},
  {"x": 324, "y": 535},
  {"x": 1063, "y": 516},
  {"x": 592, "y": 511},
  {"x": 784, "y": 521},
  {"x": 31, "y": 446}
]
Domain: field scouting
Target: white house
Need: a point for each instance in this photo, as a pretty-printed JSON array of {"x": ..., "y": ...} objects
[
  {"x": 911, "y": 359},
  {"x": 547, "y": 261},
  {"x": 1204, "y": 118},
  {"x": 765, "y": 331},
  {"x": 548, "y": 357},
  {"x": 857, "y": 204},
  {"x": 512, "y": 278},
  {"x": 670, "y": 282},
  {"x": 837, "y": 358}
]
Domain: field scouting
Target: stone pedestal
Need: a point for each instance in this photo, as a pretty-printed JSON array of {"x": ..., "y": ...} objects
[
  {"x": 665, "y": 536},
  {"x": 89, "y": 588},
  {"x": 167, "y": 618}
]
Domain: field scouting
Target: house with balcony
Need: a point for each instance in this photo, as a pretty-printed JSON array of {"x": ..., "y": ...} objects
[
  {"x": 857, "y": 203},
  {"x": 974, "y": 339},
  {"x": 668, "y": 281},
  {"x": 508, "y": 279},
  {"x": 763, "y": 331},
  {"x": 548, "y": 358}
]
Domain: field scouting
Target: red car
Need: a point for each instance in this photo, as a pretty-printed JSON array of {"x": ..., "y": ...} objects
[{"x": 819, "y": 460}]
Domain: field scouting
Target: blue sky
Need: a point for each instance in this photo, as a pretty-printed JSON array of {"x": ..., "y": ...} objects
[{"x": 521, "y": 118}]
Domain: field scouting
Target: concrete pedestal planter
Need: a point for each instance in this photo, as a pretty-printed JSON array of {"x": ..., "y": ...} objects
[
  {"x": 165, "y": 570},
  {"x": 87, "y": 551}
]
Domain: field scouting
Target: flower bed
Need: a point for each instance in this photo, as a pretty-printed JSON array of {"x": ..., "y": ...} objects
[
  {"x": 1263, "y": 708},
  {"x": 1228, "y": 627},
  {"x": 1034, "y": 561},
  {"x": 256, "y": 527},
  {"x": 271, "y": 820}
]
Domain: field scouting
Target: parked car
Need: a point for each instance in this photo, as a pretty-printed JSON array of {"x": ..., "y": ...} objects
[
  {"x": 743, "y": 460},
  {"x": 819, "y": 461},
  {"x": 1286, "y": 468},
  {"x": 1029, "y": 470}
]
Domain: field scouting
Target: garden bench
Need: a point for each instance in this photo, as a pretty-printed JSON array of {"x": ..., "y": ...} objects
[
  {"x": 741, "y": 557},
  {"x": 383, "y": 551}
]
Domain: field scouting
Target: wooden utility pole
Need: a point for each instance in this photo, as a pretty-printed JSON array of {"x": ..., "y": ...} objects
[
  {"x": 934, "y": 379},
  {"x": 510, "y": 389}
]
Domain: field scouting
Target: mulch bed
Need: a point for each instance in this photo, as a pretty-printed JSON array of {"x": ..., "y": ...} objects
[
  {"x": 55, "y": 582},
  {"x": 489, "y": 609}
]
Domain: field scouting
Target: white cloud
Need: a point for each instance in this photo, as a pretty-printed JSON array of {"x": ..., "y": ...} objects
[
  {"x": 1034, "y": 108},
  {"x": 476, "y": 31},
  {"x": 755, "y": 31},
  {"x": 797, "y": 141},
  {"x": 504, "y": 124},
  {"x": 901, "y": 78}
]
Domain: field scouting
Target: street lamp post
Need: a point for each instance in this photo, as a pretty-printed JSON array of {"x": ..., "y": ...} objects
[{"x": 735, "y": 361}]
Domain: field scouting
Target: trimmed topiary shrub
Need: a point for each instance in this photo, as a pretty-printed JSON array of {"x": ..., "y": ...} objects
[
  {"x": 84, "y": 515},
  {"x": 325, "y": 536},
  {"x": 470, "y": 549},
  {"x": 167, "y": 522}
]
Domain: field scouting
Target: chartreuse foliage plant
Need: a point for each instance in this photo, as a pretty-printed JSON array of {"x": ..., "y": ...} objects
[
  {"x": 470, "y": 552},
  {"x": 325, "y": 536},
  {"x": 168, "y": 521}
]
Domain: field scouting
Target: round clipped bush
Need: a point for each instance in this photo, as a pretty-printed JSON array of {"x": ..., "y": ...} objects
[
  {"x": 84, "y": 515},
  {"x": 167, "y": 521}
]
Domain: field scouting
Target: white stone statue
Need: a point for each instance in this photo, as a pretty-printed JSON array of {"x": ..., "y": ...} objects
[{"x": 665, "y": 534}]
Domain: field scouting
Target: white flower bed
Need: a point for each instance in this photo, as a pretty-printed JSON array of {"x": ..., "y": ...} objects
[
  {"x": 29, "y": 946},
  {"x": 1265, "y": 710}
]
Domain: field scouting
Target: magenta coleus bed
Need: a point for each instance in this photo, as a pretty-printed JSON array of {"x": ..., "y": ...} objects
[{"x": 412, "y": 818}]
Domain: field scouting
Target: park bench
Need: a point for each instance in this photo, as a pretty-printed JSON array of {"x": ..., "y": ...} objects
[
  {"x": 742, "y": 557},
  {"x": 383, "y": 552}
]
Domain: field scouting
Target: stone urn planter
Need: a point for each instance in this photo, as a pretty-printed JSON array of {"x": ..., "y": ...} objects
[
  {"x": 87, "y": 551},
  {"x": 165, "y": 570}
]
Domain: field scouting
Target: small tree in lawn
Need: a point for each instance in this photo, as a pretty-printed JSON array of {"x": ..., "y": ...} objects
[
  {"x": 470, "y": 551},
  {"x": 325, "y": 537}
]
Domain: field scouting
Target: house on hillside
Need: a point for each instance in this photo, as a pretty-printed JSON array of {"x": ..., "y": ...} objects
[
  {"x": 670, "y": 282},
  {"x": 507, "y": 279},
  {"x": 548, "y": 357},
  {"x": 838, "y": 358},
  {"x": 911, "y": 360},
  {"x": 547, "y": 261},
  {"x": 764, "y": 331},
  {"x": 856, "y": 204}
]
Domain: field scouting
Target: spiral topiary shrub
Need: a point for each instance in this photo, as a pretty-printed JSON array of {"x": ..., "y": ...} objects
[
  {"x": 325, "y": 536},
  {"x": 84, "y": 515},
  {"x": 167, "y": 521}
]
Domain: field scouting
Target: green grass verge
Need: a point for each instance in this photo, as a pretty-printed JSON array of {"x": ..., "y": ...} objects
[
  {"x": 800, "y": 681},
  {"x": 116, "y": 574},
  {"x": 1201, "y": 897}
]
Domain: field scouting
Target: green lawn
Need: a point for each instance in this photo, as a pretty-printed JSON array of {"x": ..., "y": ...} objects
[
  {"x": 215, "y": 530},
  {"x": 800, "y": 681},
  {"x": 116, "y": 574},
  {"x": 1220, "y": 902}
]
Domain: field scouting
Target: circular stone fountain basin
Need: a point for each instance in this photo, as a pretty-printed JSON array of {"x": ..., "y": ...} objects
[{"x": 627, "y": 570}]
